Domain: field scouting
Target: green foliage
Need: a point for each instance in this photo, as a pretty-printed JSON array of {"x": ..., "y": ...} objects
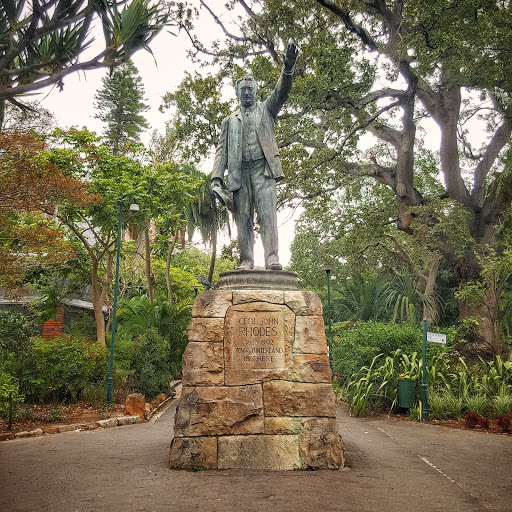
[
  {"x": 9, "y": 389},
  {"x": 119, "y": 104},
  {"x": 62, "y": 367},
  {"x": 356, "y": 347},
  {"x": 167, "y": 324},
  {"x": 15, "y": 331},
  {"x": 360, "y": 299},
  {"x": 151, "y": 361},
  {"x": 375, "y": 386},
  {"x": 53, "y": 414},
  {"x": 502, "y": 404},
  {"x": 477, "y": 403},
  {"x": 445, "y": 406},
  {"x": 47, "y": 43}
]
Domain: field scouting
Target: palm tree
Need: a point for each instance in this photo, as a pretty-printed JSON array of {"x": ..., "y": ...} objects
[
  {"x": 361, "y": 299},
  {"x": 406, "y": 301},
  {"x": 207, "y": 216}
]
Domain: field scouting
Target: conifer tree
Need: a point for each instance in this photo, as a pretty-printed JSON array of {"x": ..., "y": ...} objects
[{"x": 119, "y": 104}]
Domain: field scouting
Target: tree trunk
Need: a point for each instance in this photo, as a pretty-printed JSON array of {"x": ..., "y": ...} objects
[
  {"x": 97, "y": 305},
  {"x": 99, "y": 295},
  {"x": 214, "y": 247},
  {"x": 170, "y": 250},
  {"x": 149, "y": 276}
]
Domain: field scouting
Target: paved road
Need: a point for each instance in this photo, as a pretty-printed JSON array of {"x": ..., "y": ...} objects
[{"x": 392, "y": 466}]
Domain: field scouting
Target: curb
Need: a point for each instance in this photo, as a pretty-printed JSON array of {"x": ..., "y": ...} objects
[
  {"x": 108, "y": 423},
  {"x": 119, "y": 421}
]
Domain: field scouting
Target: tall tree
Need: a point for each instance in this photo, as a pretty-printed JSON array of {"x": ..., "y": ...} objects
[
  {"x": 42, "y": 42},
  {"x": 31, "y": 188},
  {"x": 120, "y": 104},
  {"x": 382, "y": 68}
]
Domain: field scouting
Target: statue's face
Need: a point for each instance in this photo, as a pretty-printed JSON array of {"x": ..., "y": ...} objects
[{"x": 247, "y": 93}]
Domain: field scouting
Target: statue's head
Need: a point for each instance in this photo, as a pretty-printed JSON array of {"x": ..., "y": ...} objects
[{"x": 246, "y": 89}]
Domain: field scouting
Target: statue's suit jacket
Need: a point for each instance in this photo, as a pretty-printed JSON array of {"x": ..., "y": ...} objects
[{"x": 229, "y": 149}]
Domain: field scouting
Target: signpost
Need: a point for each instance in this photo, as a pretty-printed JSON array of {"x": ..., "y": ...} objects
[{"x": 433, "y": 337}]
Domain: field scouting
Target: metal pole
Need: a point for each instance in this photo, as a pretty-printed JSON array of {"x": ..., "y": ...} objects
[
  {"x": 114, "y": 310},
  {"x": 424, "y": 401},
  {"x": 329, "y": 332}
]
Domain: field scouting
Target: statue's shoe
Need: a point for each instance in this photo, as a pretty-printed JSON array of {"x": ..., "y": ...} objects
[
  {"x": 275, "y": 266},
  {"x": 245, "y": 265}
]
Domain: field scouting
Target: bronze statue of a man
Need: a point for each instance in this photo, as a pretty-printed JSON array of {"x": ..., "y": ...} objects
[{"x": 248, "y": 150}]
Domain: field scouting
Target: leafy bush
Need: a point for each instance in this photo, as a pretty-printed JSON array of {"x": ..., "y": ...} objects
[
  {"x": 15, "y": 331},
  {"x": 477, "y": 403},
  {"x": 53, "y": 414},
  {"x": 151, "y": 362},
  {"x": 503, "y": 421},
  {"x": 502, "y": 404},
  {"x": 9, "y": 389},
  {"x": 376, "y": 386},
  {"x": 356, "y": 347},
  {"x": 61, "y": 367},
  {"x": 471, "y": 419},
  {"x": 444, "y": 406}
]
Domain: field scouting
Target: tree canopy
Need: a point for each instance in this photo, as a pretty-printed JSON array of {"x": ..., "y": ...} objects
[
  {"x": 120, "y": 104},
  {"x": 374, "y": 80},
  {"x": 43, "y": 41}
]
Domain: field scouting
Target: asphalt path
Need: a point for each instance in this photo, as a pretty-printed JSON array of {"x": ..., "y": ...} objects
[{"x": 391, "y": 466}]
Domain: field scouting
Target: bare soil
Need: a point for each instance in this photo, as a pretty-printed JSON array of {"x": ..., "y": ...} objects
[{"x": 71, "y": 414}]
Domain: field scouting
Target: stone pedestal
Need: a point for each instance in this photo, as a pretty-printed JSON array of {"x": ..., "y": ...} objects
[{"x": 256, "y": 384}]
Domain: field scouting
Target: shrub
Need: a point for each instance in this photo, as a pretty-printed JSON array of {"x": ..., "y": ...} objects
[
  {"x": 356, "y": 347},
  {"x": 61, "y": 367},
  {"x": 471, "y": 419},
  {"x": 503, "y": 421},
  {"x": 445, "y": 406},
  {"x": 478, "y": 404},
  {"x": 501, "y": 404},
  {"x": 53, "y": 414},
  {"x": 9, "y": 389},
  {"x": 151, "y": 364}
]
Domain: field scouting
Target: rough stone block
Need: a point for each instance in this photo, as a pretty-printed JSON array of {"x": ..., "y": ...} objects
[
  {"x": 267, "y": 452},
  {"x": 203, "y": 364},
  {"x": 258, "y": 343},
  {"x": 285, "y": 425},
  {"x": 311, "y": 368},
  {"x": 6, "y": 437},
  {"x": 108, "y": 423},
  {"x": 310, "y": 335},
  {"x": 298, "y": 399},
  {"x": 135, "y": 405},
  {"x": 303, "y": 303},
  {"x": 67, "y": 428},
  {"x": 220, "y": 410},
  {"x": 194, "y": 453},
  {"x": 32, "y": 433},
  {"x": 270, "y": 296},
  {"x": 206, "y": 329},
  {"x": 321, "y": 446},
  {"x": 127, "y": 420},
  {"x": 212, "y": 303}
]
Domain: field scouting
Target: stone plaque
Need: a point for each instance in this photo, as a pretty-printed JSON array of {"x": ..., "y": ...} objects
[
  {"x": 257, "y": 345},
  {"x": 258, "y": 340}
]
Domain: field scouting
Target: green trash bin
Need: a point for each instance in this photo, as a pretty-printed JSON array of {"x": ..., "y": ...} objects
[{"x": 406, "y": 393}]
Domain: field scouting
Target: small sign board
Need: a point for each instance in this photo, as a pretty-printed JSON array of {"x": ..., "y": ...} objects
[{"x": 435, "y": 337}]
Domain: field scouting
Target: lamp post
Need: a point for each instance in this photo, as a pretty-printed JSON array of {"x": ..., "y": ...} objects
[
  {"x": 134, "y": 207},
  {"x": 329, "y": 332}
]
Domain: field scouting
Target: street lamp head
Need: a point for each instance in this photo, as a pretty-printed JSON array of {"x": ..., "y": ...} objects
[
  {"x": 134, "y": 207},
  {"x": 327, "y": 268}
]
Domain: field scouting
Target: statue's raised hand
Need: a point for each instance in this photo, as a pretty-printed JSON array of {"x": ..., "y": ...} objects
[{"x": 290, "y": 56}]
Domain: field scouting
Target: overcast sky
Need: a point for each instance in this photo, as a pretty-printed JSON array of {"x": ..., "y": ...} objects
[{"x": 160, "y": 73}]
